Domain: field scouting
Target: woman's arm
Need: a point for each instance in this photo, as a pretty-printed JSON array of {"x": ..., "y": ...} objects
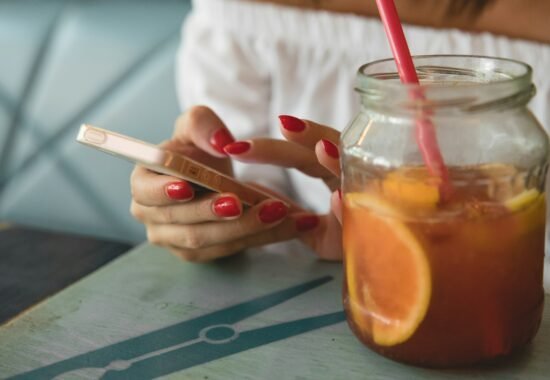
[{"x": 525, "y": 19}]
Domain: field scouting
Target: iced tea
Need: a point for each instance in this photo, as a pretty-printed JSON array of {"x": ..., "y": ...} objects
[{"x": 444, "y": 283}]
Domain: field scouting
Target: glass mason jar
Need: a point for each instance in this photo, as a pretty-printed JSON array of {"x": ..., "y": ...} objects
[{"x": 433, "y": 279}]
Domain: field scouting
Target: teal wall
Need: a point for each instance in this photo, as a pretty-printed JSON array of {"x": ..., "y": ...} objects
[{"x": 62, "y": 63}]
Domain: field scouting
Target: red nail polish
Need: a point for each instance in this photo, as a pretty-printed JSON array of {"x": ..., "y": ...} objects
[
  {"x": 226, "y": 207},
  {"x": 339, "y": 194},
  {"x": 220, "y": 139},
  {"x": 179, "y": 190},
  {"x": 273, "y": 212},
  {"x": 306, "y": 223},
  {"x": 237, "y": 147},
  {"x": 331, "y": 149},
  {"x": 292, "y": 124}
]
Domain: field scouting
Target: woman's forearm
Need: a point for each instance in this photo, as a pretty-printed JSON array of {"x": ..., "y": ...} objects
[
  {"x": 526, "y": 19},
  {"x": 514, "y": 18}
]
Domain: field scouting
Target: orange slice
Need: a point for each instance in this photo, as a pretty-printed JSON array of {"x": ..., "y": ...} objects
[
  {"x": 530, "y": 209},
  {"x": 387, "y": 271},
  {"x": 411, "y": 188},
  {"x": 523, "y": 199}
]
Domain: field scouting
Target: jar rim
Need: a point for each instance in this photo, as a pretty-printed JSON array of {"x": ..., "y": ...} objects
[
  {"x": 526, "y": 75},
  {"x": 449, "y": 80}
]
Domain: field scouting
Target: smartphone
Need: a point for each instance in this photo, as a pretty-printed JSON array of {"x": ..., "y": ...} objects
[{"x": 166, "y": 162}]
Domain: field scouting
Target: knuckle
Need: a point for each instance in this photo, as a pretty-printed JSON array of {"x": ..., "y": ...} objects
[
  {"x": 222, "y": 251},
  {"x": 193, "y": 240},
  {"x": 153, "y": 237},
  {"x": 138, "y": 196},
  {"x": 204, "y": 207},
  {"x": 166, "y": 214},
  {"x": 246, "y": 227},
  {"x": 213, "y": 253},
  {"x": 198, "y": 113},
  {"x": 133, "y": 179},
  {"x": 136, "y": 211},
  {"x": 134, "y": 182},
  {"x": 281, "y": 234},
  {"x": 188, "y": 255},
  {"x": 195, "y": 115}
]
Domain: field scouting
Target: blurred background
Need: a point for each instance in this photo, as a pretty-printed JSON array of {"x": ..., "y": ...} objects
[{"x": 66, "y": 62}]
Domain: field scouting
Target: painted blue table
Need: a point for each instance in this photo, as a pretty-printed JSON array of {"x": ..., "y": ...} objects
[{"x": 272, "y": 313}]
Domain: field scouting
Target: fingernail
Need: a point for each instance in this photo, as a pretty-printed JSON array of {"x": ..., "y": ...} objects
[
  {"x": 330, "y": 148},
  {"x": 220, "y": 139},
  {"x": 273, "y": 212},
  {"x": 237, "y": 147},
  {"x": 226, "y": 207},
  {"x": 339, "y": 194},
  {"x": 292, "y": 124},
  {"x": 306, "y": 223},
  {"x": 179, "y": 190}
]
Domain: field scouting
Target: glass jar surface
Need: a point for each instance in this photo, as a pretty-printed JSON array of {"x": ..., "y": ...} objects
[{"x": 438, "y": 280}]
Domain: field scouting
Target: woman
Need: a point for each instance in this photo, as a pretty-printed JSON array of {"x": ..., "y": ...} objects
[{"x": 252, "y": 64}]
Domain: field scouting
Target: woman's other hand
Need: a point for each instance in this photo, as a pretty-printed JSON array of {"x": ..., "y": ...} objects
[{"x": 313, "y": 149}]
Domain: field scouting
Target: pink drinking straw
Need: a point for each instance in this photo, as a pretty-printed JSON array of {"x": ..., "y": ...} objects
[{"x": 425, "y": 131}]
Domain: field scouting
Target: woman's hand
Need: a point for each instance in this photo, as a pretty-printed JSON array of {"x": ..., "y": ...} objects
[
  {"x": 206, "y": 226},
  {"x": 312, "y": 149}
]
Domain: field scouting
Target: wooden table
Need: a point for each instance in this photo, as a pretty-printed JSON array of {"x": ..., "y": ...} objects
[{"x": 272, "y": 313}]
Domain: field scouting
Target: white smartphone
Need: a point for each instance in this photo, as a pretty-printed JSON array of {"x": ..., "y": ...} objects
[{"x": 166, "y": 162}]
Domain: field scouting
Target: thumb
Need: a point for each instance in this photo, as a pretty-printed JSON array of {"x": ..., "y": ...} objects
[{"x": 201, "y": 127}]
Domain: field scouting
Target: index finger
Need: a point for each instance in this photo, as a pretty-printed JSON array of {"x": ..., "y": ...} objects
[
  {"x": 306, "y": 132},
  {"x": 280, "y": 153},
  {"x": 202, "y": 127}
]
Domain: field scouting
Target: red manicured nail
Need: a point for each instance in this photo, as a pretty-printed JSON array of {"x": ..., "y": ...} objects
[
  {"x": 306, "y": 223},
  {"x": 226, "y": 207},
  {"x": 292, "y": 124},
  {"x": 220, "y": 139},
  {"x": 179, "y": 190},
  {"x": 237, "y": 147},
  {"x": 339, "y": 194},
  {"x": 330, "y": 148},
  {"x": 273, "y": 212}
]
